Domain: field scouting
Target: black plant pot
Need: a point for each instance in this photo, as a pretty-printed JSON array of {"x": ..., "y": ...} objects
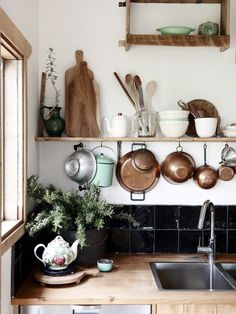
[{"x": 95, "y": 246}]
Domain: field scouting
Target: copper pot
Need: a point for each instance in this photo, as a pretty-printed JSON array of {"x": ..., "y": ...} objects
[
  {"x": 206, "y": 176},
  {"x": 226, "y": 173},
  {"x": 135, "y": 174},
  {"x": 178, "y": 167}
]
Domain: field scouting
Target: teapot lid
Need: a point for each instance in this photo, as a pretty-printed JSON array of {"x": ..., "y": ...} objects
[
  {"x": 102, "y": 159},
  {"x": 58, "y": 242}
]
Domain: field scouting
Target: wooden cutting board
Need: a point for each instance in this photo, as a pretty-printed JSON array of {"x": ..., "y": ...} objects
[
  {"x": 75, "y": 277},
  {"x": 81, "y": 100}
]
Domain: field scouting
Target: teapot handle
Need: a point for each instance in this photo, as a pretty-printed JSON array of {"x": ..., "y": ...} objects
[{"x": 35, "y": 249}]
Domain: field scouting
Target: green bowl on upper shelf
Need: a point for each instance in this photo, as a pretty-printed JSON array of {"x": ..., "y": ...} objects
[{"x": 175, "y": 30}]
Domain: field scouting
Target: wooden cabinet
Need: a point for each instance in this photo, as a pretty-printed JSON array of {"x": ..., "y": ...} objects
[
  {"x": 195, "y": 309},
  {"x": 222, "y": 40}
]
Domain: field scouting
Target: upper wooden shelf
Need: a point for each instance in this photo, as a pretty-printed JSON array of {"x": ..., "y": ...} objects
[
  {"x": 136, "y": 139},
  {"x": 179, "y": 1},
  {"x": 222, "y": 41}
]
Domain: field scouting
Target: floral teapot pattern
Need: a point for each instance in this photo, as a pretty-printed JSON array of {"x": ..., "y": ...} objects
[{"x": 58, "y": 254}]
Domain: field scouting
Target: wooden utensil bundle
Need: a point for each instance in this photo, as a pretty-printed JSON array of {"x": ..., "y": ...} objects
[{"x": 133, "y": 89}]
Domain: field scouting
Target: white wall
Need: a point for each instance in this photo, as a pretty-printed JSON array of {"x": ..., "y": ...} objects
[
  {"x": 181, "y": 73},
  {"x": 24, "y": 14}
]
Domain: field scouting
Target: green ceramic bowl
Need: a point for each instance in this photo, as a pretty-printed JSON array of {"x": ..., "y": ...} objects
[
  {"x": 104, "y": 264},
  {"x": 175, "y": 30}
]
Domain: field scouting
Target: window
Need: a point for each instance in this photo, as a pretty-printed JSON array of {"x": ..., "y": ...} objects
[{"x": 14, "y": 50}]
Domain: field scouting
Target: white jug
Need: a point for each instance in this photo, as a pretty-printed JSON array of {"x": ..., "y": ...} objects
[{"x": 120, "y": 125}]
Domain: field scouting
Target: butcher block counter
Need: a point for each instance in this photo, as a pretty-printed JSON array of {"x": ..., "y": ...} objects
[{"x": 130, "y": 282}]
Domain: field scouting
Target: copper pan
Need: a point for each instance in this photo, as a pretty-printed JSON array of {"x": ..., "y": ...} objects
[
  {"x": 206, "y": 176},
  {"x": 178, "y": 167},
  {"x": 134, "y": 180}
]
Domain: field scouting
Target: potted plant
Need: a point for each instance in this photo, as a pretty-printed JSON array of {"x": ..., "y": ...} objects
[
  {"x": 53, "y": 122},
  {"x": 65, "y": 213}
]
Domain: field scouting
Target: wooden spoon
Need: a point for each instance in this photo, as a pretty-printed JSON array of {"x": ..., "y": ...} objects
[
  {"x": 151, "y": 88},
  {"x": 129, "y": 80},
  {"x": 138, "y": 84}
]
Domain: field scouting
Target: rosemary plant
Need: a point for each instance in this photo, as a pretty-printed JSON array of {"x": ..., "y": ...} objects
[{"x": 58, "y": 211}]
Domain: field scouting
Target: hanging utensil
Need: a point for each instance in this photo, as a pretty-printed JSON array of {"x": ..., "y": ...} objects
[
  {"x": 178, "y": 167},
  {"x": 228, "y": 156},
  {"x": 150, "y": 89},
  {"x": 81, "y": 166},
  {"x": 206, "y": 176},
  {"x": 137, "y": 172}
]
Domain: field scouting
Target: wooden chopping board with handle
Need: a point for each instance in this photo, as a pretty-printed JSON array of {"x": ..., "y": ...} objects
[{"x": 81, "y": 100}]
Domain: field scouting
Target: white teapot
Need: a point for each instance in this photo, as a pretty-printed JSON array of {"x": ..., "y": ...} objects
[
  {"x": 120, "y": 125},
  {"x": 58, "y": 254}
]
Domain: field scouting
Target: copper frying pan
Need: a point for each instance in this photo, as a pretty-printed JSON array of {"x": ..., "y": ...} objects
[
  {"x": 206, "y": 176},
  {"x": 132, "y": 179}
]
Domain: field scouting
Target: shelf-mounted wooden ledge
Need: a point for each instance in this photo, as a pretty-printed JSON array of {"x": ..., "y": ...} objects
[
  {"x": 136, "y": 139},
  {"x": 221, "y": 41}
]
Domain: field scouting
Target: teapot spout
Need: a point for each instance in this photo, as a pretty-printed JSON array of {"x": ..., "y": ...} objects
[{"x": 74, "y": 248}]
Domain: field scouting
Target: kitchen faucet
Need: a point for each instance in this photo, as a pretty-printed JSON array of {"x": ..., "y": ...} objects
[{"x": 211, "y": 248}]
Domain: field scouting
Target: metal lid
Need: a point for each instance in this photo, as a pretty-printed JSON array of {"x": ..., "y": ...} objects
[{"x": 102, "y": 159}]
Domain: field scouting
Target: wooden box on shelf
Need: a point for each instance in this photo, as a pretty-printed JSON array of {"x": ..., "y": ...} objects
[{"x": 222, "y": 40}]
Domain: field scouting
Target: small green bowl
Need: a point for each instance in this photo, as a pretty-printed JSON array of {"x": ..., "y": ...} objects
[
  {"x": 175, "y": 30},
  {"x": 104, "y": 264}
]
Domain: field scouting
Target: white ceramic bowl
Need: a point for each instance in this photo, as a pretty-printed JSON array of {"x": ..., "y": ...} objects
[
  {"x": 173, "y": 115},
  {"x": 205, "y": 127},
  {"x": 172, "y": 128}
]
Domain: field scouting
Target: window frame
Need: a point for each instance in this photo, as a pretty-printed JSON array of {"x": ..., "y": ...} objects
[{"x": 11, "y": 35}]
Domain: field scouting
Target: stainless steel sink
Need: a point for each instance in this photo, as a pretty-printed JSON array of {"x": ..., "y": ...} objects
[
  {"x": 191, "y": 276},
  {"x": 230, "y": 268}
]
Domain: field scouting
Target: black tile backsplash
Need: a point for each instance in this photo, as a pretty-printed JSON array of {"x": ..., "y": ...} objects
[
  {"x": 166, "y": 241},
  {"x": 167, "y": 217},
  {"x": 162, "y": 229},
  {"x": 171, "y": 229}
]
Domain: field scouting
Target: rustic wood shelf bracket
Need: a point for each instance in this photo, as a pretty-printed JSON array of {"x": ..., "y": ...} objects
[{"x": 122, "y": 4}]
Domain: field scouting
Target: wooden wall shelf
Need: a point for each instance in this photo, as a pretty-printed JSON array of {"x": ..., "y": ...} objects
[
  {"x": 222, "y": 40},
  {"x": 136, "y": 139}
]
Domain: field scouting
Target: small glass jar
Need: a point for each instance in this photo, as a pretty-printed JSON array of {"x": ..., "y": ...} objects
[{"x": 146, "y": 123}]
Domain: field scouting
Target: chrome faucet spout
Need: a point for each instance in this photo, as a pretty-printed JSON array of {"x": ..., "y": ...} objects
[{"x": 211, "y": 248}]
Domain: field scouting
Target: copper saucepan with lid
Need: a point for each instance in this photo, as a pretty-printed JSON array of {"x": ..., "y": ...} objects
[
  {"x": 137, "y": 172},
  {"x": 178, "y": 167},
  {"x": 206, "y": 176}
]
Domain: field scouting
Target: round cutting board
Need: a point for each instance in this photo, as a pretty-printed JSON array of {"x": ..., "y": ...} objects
[{"x": 75, "y": 277}]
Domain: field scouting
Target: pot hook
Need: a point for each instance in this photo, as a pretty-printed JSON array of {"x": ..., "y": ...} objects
[
  {"x": 205, "y": 151},
  {"x": 179, "y": 148}
]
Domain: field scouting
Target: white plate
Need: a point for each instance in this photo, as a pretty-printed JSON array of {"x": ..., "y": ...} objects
[{"x": 229, "y": 134}]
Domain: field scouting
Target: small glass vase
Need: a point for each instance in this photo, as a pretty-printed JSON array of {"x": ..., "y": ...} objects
[{"x": 53, "y": 122}]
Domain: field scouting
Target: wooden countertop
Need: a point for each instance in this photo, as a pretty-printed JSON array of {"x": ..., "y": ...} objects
[{"x": 130, "y": 282}]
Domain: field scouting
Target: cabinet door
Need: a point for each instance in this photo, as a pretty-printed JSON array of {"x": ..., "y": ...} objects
[
  {"x": 226, "y": 309},
  {"x": 46, "y": 309},
  {"x": 170, "y": 309},
  {"x": 200, "y": 309}
]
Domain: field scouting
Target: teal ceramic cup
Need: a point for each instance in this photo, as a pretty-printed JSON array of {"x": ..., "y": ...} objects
[{"x": 104, "y": 264}]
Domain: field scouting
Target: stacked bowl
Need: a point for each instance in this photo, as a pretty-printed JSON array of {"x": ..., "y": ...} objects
[
  {"x": 230, "y": 130},
  {"x": 173, "y": 123}
]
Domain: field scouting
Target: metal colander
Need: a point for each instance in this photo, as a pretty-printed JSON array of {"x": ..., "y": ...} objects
[{"x": 81, "y": 165}]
